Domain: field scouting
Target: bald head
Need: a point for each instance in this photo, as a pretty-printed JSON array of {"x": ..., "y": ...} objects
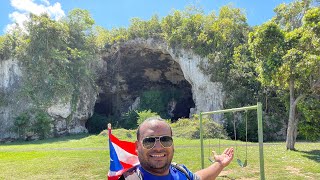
[{"x": 153, "y": 122}]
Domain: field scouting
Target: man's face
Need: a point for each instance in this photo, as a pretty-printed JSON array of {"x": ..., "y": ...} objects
[{"x": 157, "y": 159}]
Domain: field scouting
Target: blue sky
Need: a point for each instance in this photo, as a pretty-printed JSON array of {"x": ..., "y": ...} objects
[{"x": 117, "y": 13}]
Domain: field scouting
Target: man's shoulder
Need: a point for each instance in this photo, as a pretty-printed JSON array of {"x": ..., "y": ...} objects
[{"x": 184, "y": 170}]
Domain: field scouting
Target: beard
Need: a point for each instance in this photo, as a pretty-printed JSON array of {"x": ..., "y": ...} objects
[{"x": 154, "y": 166}]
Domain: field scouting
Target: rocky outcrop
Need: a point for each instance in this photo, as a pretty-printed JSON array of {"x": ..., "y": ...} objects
[
  {"x": 9, "y": 103},
  {"x": 65, "y": 120},
  {"x": 206, "y": 95},
  {"x": 124, "y": 70}
]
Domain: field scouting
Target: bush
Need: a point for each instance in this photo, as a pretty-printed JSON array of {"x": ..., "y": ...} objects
[
  {"x": 252, "y": 126},
  {"x": 21, "y": 124},
  {"x": 158, "y": 100},
  {"x": 190, "y": 128},
  {"x": 143, "y": 115},
  {"x": 42, "y": 124},
  {"x": 309, "y": 125},
  {"x": 129, "y": 120},
  {"x": 98, "y": 122}
]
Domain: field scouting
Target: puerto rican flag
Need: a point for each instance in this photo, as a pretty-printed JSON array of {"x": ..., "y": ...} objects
[{"x": 123, "y": 156}]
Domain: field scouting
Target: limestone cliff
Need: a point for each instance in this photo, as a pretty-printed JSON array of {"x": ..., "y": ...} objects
[
  {"x": 206, "y": 95},
  {"x": 124, "y": 71},
  {"x": 13, "y": 102},
  {"x": 9, "y": 103}
]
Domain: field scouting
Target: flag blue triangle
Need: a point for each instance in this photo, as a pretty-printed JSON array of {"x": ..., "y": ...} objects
[{"x": 115, "y": 164}]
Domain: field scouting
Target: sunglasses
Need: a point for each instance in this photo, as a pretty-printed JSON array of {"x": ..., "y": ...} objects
[{"x": 150, "y": 142}]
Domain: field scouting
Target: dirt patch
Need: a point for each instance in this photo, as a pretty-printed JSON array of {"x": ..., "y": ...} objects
[{"x": 297, "y": 172}]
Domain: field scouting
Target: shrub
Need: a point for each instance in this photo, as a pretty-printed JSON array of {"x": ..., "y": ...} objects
[
  {"x": 190, "y": 128},
  {"x": 158, "y": 100},
  {"x": 97, "y": 123},
  {"x": 21, "y": 124},
  {"x": 145, "y": 114},
  {"x": 42, "y": 124},
  {"x": 129, "y": 120}
]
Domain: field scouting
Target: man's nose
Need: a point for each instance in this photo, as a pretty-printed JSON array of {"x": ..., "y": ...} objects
[{"x": 158, "y": 145}]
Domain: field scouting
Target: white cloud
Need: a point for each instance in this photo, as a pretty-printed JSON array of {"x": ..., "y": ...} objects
[
  {"x": 24, "y": 7},
  {"x": 46, "y": 2}
]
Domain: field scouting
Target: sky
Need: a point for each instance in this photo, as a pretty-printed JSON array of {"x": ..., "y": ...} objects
[{"x": 117, "y": 13}]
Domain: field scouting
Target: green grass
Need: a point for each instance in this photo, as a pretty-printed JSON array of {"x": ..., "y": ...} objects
[{"x": 87, "y": 157}]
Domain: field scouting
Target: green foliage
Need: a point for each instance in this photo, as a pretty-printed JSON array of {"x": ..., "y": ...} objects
[
  {"x": 21, "y": 125},
  {"x": 266, "y": 44},
  {"x": 57, "y": 57},
  {"x": 5, "y": 47},
  {"x": 311, "y": 19},
  {"x": 289, "y": 16},
  {"x": 239, "y": 119},
  {"x": 190, "y": 129},
  {"x": 42, "y": 124},
  {"x": 157, "y": 101},
  {"x": 144, "y": 29},
  {"x": 98, "y": 123},
  {"x": 287, "y": 57},
  {"x": 45, "y": 61},
  {"x": 309, "y": 127},
  {"x": 129, "y": 120},
  {"x": 103, "y": 37},
  {"x": 12, "y": 44},
  {"x": 145, "y": 114}
]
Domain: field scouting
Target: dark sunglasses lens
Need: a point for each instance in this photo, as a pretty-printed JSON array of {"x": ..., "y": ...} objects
[
  {"x": 166, "y": 141},
  {"x": 148, "y": 142}
]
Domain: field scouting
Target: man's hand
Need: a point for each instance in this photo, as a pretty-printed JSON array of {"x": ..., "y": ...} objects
[
  {"x": 221, "y": 161},
  {"x": 225, "y": 158}
]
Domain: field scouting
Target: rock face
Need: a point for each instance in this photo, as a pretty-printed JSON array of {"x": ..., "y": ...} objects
[
  {"x": 181, "y": 66},
  {"x": 124, "y": 71},
  {"x": 9, "y": 84},
  {"x": 12, "y": 103}
]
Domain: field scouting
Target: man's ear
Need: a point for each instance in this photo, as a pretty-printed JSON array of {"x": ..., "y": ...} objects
[{"x": 137, "y": 145}]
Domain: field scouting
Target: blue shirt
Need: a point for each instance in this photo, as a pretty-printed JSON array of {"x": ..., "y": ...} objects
[{"x": 174, "y": 174}]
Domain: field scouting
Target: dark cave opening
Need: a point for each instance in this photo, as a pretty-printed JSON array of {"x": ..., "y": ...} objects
[
  {"x": 107, "y": 110},
  {"x": 103, "y": 105},
  {"x": 131, "y": 75},
  {"x": 182, "y": 109}
]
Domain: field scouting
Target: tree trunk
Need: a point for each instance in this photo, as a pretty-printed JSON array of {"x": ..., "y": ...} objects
[{"x": 292, "y": 130}]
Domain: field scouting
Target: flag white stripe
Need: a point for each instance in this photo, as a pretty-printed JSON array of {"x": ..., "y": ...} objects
[
  {"x": 125, "y": 156},
  {"x": 114, "y": 173}
]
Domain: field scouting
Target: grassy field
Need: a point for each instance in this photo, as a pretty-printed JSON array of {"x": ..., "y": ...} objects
[{"x": 87, "y": 157}]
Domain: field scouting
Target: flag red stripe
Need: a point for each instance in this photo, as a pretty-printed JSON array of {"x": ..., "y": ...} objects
[
  {"x": 113, "y": 177},
  {"x": 128, "y": 146},
  {"x": 126, "y": 166}
]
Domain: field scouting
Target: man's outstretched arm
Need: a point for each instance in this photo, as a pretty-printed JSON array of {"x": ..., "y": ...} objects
[{"x": 221, "y": 161}]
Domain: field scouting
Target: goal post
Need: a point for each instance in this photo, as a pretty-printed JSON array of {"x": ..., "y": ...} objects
[{"x": 258, "y": 107}]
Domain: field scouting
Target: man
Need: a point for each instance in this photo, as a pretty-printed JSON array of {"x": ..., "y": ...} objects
[{"x": 155, "y": 150}]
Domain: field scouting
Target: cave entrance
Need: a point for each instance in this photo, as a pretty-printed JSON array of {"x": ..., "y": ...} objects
[{"x": 139, "y": 78}]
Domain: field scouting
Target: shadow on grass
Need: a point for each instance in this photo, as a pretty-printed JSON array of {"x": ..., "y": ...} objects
[
  {"x": 48, "y": 141},
  {"x": 313, "y": 155}
]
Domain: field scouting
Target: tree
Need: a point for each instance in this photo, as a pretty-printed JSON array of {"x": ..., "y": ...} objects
[
  {"x": 286, "y": 60},
  {"x": 45, "y": 60}
]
